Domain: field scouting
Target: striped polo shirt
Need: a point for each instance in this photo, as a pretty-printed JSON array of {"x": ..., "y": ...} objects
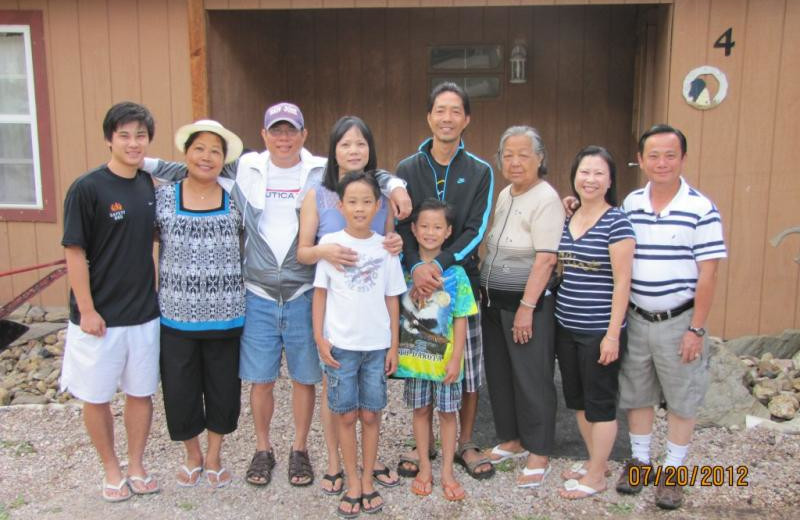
[
  {"x": 583, "y": 302},
  {"x": 670, "y": 244}
]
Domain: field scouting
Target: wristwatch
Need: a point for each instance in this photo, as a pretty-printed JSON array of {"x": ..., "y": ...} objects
[{"x": 699, "y": 331}]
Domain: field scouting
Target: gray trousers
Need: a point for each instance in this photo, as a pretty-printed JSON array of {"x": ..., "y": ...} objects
[{"x": 520, "y": 377}]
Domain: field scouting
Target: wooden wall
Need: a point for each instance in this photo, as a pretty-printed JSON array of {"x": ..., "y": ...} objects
[
  {"x": 374, "y": 63},
  {"x": 741, "y": 153},
  {"x": 98, "y": 52}
]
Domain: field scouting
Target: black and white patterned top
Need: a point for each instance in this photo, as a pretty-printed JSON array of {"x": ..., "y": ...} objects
[{"x": 200, "y": 271}]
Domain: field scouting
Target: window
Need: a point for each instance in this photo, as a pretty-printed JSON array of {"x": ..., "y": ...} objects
[
  {"x": 26, "y": 180},
  {"x": 476, "y": 68}
]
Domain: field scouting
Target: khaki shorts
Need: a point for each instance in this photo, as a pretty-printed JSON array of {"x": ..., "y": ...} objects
[{"x": 652, "y": 367}]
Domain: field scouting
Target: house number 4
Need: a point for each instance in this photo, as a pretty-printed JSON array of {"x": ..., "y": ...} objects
[{"x": 725, "y": 41}]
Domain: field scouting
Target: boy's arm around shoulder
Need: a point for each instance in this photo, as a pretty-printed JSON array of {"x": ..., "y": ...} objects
[{"x": 172, "y": 171}]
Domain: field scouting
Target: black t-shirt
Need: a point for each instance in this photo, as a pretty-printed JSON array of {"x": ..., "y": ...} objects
[
  {"x": 112, "y": 219},
  {"x": 440, "y": 170}
]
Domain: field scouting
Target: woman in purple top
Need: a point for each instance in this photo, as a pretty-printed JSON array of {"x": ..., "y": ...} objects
[{"x": 352, "y": 148}]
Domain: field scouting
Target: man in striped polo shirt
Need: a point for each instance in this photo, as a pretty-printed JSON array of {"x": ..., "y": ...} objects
[{"x": 678, "y": 246}]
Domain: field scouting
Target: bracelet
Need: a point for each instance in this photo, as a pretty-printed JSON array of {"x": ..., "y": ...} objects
[
  {"x": 611, "y": 338},
  {"x": 526, "y": 304}
]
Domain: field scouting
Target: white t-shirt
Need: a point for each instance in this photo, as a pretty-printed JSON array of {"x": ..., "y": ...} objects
[
  {"x": 279, "y": 224},
  {"x": 356, "y": 317}
]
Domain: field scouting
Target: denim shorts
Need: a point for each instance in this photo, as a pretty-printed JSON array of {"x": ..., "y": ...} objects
[
  {"x": 359, "y": 383},
  {"x": 269, "y": 329}
]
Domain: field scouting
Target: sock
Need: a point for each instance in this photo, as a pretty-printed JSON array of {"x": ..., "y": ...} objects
[
  {"x": 675, "y": 454},
  {"x": 640, "y": 447}
]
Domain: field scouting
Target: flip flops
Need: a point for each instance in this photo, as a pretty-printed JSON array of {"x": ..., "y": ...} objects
[
  {"x": 144, "y": 482},
  {"x": 527, "y": 472},
  {"x": 574, "y": 485},
  {"x": 386, "y": 472},
  {"x": 579, "y": 469},
  {"x": 369, "y": 497},
  {"x": 220, "y": 482},
  {"x": 353, "y": 501},
  {"x": 123, "y": 484},
  {"x": 498, "y": 455},
  {"x": 332, "y": 479},
  {"x": 191, "y": 480},
  {"x": 420, "y": 487},
  {"x": 453, "y": 492}
]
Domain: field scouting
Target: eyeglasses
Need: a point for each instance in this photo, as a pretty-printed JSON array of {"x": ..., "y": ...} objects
[{"x": 279, "y": 131}]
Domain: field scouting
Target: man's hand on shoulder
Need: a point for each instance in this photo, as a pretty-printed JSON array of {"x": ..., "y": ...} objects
[
  {"x": 401, "y": 203},
  {"x": 427, "y": 278}
]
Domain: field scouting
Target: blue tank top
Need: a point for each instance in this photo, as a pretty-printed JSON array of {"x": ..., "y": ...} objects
[{"x": 331, "y": 219}]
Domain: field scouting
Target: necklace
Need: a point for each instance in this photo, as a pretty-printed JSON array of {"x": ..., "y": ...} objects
[{"x": 202, "y": 194}]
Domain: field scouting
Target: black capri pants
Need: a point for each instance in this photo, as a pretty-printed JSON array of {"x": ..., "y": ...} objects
[
  {"x": 200, "y": 382},
  {"x": 587, "y": 384},
  {"x": 520, "y": 376}
]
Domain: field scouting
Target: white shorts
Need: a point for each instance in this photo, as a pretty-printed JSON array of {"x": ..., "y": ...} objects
[{"x": 126, "y": 358}]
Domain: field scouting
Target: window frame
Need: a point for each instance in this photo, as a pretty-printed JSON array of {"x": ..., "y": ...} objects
[
  {"x": 462, "y": 74},
  {"x": 46, "y": 212}
]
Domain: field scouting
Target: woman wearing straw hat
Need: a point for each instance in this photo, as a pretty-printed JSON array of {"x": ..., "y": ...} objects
[{"x": 201, "y": 296}]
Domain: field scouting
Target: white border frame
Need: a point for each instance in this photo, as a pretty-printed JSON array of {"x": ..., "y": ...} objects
[{"x": 30, "y": 118}]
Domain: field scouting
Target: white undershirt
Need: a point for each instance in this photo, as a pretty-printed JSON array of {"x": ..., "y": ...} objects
[{"x": 278, "y": 224}]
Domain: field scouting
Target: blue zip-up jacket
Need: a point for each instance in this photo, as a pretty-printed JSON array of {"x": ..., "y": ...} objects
[{"x": 469, "y": 187}]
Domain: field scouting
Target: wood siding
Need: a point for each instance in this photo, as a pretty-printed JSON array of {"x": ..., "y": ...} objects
[
  {"x": 374, "y": 63},
  {"x": 98, "y": 52},
  {"x": 741, "y": 153}
]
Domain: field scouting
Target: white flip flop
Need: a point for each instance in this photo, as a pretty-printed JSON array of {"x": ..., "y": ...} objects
[
  {"x": 580, "y": 469},
  {"x": 497, "y": 451},
  {"x": 219, "y": 483},
  {"x": 118, "y": 488},
  {"x": 189, "y": 475},
  {"x": 527, "y": 472},
  {"x": 574, "y": 485}
]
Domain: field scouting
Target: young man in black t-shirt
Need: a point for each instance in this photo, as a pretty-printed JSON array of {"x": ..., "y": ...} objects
[{"x": 113, "y": 334}]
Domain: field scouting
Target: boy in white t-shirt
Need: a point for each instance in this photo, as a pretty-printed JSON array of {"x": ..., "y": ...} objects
[{"x": 355, "y": 315}]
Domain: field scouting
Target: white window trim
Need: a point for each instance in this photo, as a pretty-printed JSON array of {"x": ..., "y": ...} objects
[{"x": 30, "y": 118}]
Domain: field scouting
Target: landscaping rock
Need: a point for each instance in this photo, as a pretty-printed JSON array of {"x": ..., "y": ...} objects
[
  {"x": 783, "y": 406},
  {"x": 786, "y": 345},
  {"x": 57, "y": 314},
  {"x": 764, "y": 391},
  {"x": 28, "y": 398},
  {"x": 35, "y": 314},
  {"x": 728, "y": 401}
]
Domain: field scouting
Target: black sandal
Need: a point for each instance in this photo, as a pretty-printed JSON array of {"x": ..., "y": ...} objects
[
  {"x": 260, "y": 471},
  {"x": 300, "y": 467},
  {"x": 332, "y": 479},
  {"x": 386, "y": 473},
  {"x": 353, "y": 502},
  {"x": 369, "y": 498},
  {"x": 405, "y": 459}
]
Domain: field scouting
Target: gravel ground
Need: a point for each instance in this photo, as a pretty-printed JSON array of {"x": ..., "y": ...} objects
[{"x": 48, "y": 469}]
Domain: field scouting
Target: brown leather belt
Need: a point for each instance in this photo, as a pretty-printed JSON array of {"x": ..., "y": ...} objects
[{"x": 663, "y": 315}]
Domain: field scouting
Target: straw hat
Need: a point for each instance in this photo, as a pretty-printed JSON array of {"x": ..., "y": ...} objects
[{"x": 234, "y": 144}]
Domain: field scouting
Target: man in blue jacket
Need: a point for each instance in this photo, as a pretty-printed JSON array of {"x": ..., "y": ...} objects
[{"x": 444, "y": 169}]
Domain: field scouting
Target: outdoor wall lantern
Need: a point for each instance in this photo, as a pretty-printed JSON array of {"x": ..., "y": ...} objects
[{"x": 519, "y": 59}]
